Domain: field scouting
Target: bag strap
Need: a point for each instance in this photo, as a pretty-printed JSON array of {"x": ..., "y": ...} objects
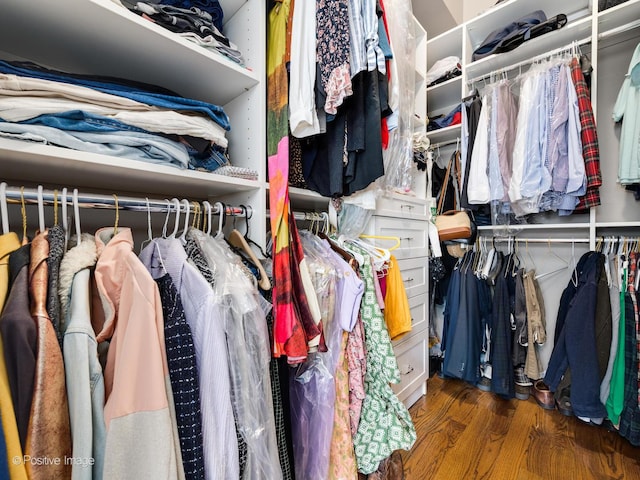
[{"x": 445, "y": 185}]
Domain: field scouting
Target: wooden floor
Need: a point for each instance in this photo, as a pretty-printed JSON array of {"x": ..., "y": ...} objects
[{"x": 467, "y": 434}]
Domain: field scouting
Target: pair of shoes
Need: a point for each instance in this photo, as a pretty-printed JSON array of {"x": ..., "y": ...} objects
[
  {"x": 520, "y": 378},
  {"x": 564, "y": 406},
  {"x": 522, "y": 393},
  {"x": 543, "y": 396},
  {"x": 484, "y": 384}
]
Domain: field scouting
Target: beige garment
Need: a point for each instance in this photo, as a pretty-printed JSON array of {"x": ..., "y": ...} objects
[{"x": 536, "y": 325}]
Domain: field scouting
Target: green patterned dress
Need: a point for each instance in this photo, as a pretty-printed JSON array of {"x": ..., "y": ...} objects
[{"x": 385, "y": 423}]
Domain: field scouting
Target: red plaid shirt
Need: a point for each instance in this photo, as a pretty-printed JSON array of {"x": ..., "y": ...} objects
[{"x": 589, "y": 136}]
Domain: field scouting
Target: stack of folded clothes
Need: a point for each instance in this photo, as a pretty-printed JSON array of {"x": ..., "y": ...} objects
[
  {"x": 443, "y": 70},
  {"x": 454, "y": 117},
  {"x": 199, "y": 21},
  {"x": 111, "y": 116}
]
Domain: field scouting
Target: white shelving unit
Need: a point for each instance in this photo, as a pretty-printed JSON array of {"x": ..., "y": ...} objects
[
  {"x": 101, "y": 38},
  {"x": 607, "y": 39}
]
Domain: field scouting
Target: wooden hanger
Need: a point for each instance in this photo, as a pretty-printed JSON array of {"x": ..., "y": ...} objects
[{"x": 237, "y": 240}]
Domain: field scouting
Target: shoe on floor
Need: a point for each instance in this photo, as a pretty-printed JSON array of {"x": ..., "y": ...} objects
[
  {"x": 521, "y": 379},
  {"x": 484, "y": 384},
  {"x": 543, "y": 396},
  {"x": 522, "y": 393},
  {"x": 564, "y": 406}
]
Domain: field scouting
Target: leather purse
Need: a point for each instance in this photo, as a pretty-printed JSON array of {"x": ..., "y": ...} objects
[{"x": 452, "y": 224}]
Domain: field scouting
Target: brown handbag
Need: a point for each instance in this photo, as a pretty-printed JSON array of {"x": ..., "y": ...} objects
[{"x": 452, "y": 224}]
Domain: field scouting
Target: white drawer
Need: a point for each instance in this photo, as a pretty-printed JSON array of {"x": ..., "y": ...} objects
[
  {"x": 412, "y": 362},
  {"x": 419, "y": 312},
  {"x": 412, "y": 233},
  {"x": 400, "y": 206},
  {"x": 414, "y": 275},
  {"x": 419, "y": 320}
]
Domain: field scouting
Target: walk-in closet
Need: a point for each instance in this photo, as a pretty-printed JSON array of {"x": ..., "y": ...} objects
[{"x": 319, "y": 240}]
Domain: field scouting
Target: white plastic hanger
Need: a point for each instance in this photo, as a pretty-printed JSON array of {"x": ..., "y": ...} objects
[
  {"x": 187, "y": 207},
  {"x": 176, "y": 203},
  {"x": 208, "y": 212},
  {"x": 76, "y": 215},
  {"x": 65, "y": 221},
  {"x": 3, "y": 208},
  {"x": 221, "y": 211},
  {"x": 40, "y": 209}
]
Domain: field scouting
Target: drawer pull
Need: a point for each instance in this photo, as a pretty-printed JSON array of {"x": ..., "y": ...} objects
[
  {"x": 406, "y": 238},
  {"x": 409, "y": 280},
  {"x": 410, "y": 207},
  {"x": 408, "y": 370}
]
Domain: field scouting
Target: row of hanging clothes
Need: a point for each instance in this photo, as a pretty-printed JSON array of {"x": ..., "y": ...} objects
[
  {"x": 117, "y": 359},
  {"x": 495, "y": 327},
  {"x": 594, "y": 368},
  {"x": 530, "y": 144}
]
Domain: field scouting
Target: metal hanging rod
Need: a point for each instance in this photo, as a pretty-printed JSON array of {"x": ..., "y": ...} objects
[
  {"x": 530, "y": 61},
  {"x": 307, "y": 216},
  {"x": 98, "y": 201},
  {"x": 537, "y": 240},
  {"x": 444, "y": 144}
]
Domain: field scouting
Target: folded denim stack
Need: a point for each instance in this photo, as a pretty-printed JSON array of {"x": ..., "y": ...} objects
[
  {"x": 194, "y": 24},
  {"x": 111, "y": 116}
]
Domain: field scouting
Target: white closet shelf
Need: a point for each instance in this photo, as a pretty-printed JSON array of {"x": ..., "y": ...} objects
[
  {"x": 478, "y": 28},
  {"x": 578, "y": 31},
  {"x": 630, "y": 224},
  {"x": 99, "y": 37},
  {"x": 444, "y": 94},
  {"x": 448, "y": 133},
  {"x": 302, "y": 199},
  {"x": 58, "y": 166},
  {"x": 446, "y": 44},
  {"x": 618, "y": 16}
]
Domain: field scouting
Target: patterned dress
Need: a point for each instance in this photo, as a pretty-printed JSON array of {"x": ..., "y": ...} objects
[{"x": 385, "y": 423}]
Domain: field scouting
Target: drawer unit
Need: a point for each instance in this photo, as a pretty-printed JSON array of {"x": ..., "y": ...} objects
[
  {"x": 419, "y": 312},
  {"x": 414, "y": 275},
  {"x": 418, "y": 307},
  {"x": 402, "y": 206},
  {"x": 412, "y": 234},
  {"x": 412, "y": 362}
]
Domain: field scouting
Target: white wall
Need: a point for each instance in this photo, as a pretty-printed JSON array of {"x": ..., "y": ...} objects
[{"x": 472, "y": 8}]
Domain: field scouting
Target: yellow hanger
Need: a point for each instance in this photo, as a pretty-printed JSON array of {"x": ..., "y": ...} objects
[{"x": 383, "y": 237}]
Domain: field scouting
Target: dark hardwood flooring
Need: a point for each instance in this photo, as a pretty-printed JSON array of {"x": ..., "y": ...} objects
[{"x": 467, "y": 434}]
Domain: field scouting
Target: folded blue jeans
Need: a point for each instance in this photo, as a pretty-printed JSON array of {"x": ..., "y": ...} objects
[{"x": 173, "y": 102}]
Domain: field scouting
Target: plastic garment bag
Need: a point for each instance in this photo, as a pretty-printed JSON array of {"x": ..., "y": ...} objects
[
  {"x": 247, "y": 338},
  {"x": 398, "y": 157},
  {"x": 312, "y": 387}
]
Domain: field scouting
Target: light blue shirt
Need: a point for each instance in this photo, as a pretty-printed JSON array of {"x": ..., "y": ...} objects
[{"x": 627, "y": 108}]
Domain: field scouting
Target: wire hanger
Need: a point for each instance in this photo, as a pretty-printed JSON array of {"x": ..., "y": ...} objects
[
  {"x": 23, "y": 212},
  {"x": 76, "y": 215},
  {"x": 115, "y": 226},
  {"x": 385, "y": 237},
  {"x": 3, "y": 208},
  {"x": 565, "y": 264},
  {"x": 149, "y": 230}
]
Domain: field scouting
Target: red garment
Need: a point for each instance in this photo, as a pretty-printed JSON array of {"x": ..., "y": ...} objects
[
  {"x": 457, "y": 119},
  {"x": 589, "y": 136}
]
